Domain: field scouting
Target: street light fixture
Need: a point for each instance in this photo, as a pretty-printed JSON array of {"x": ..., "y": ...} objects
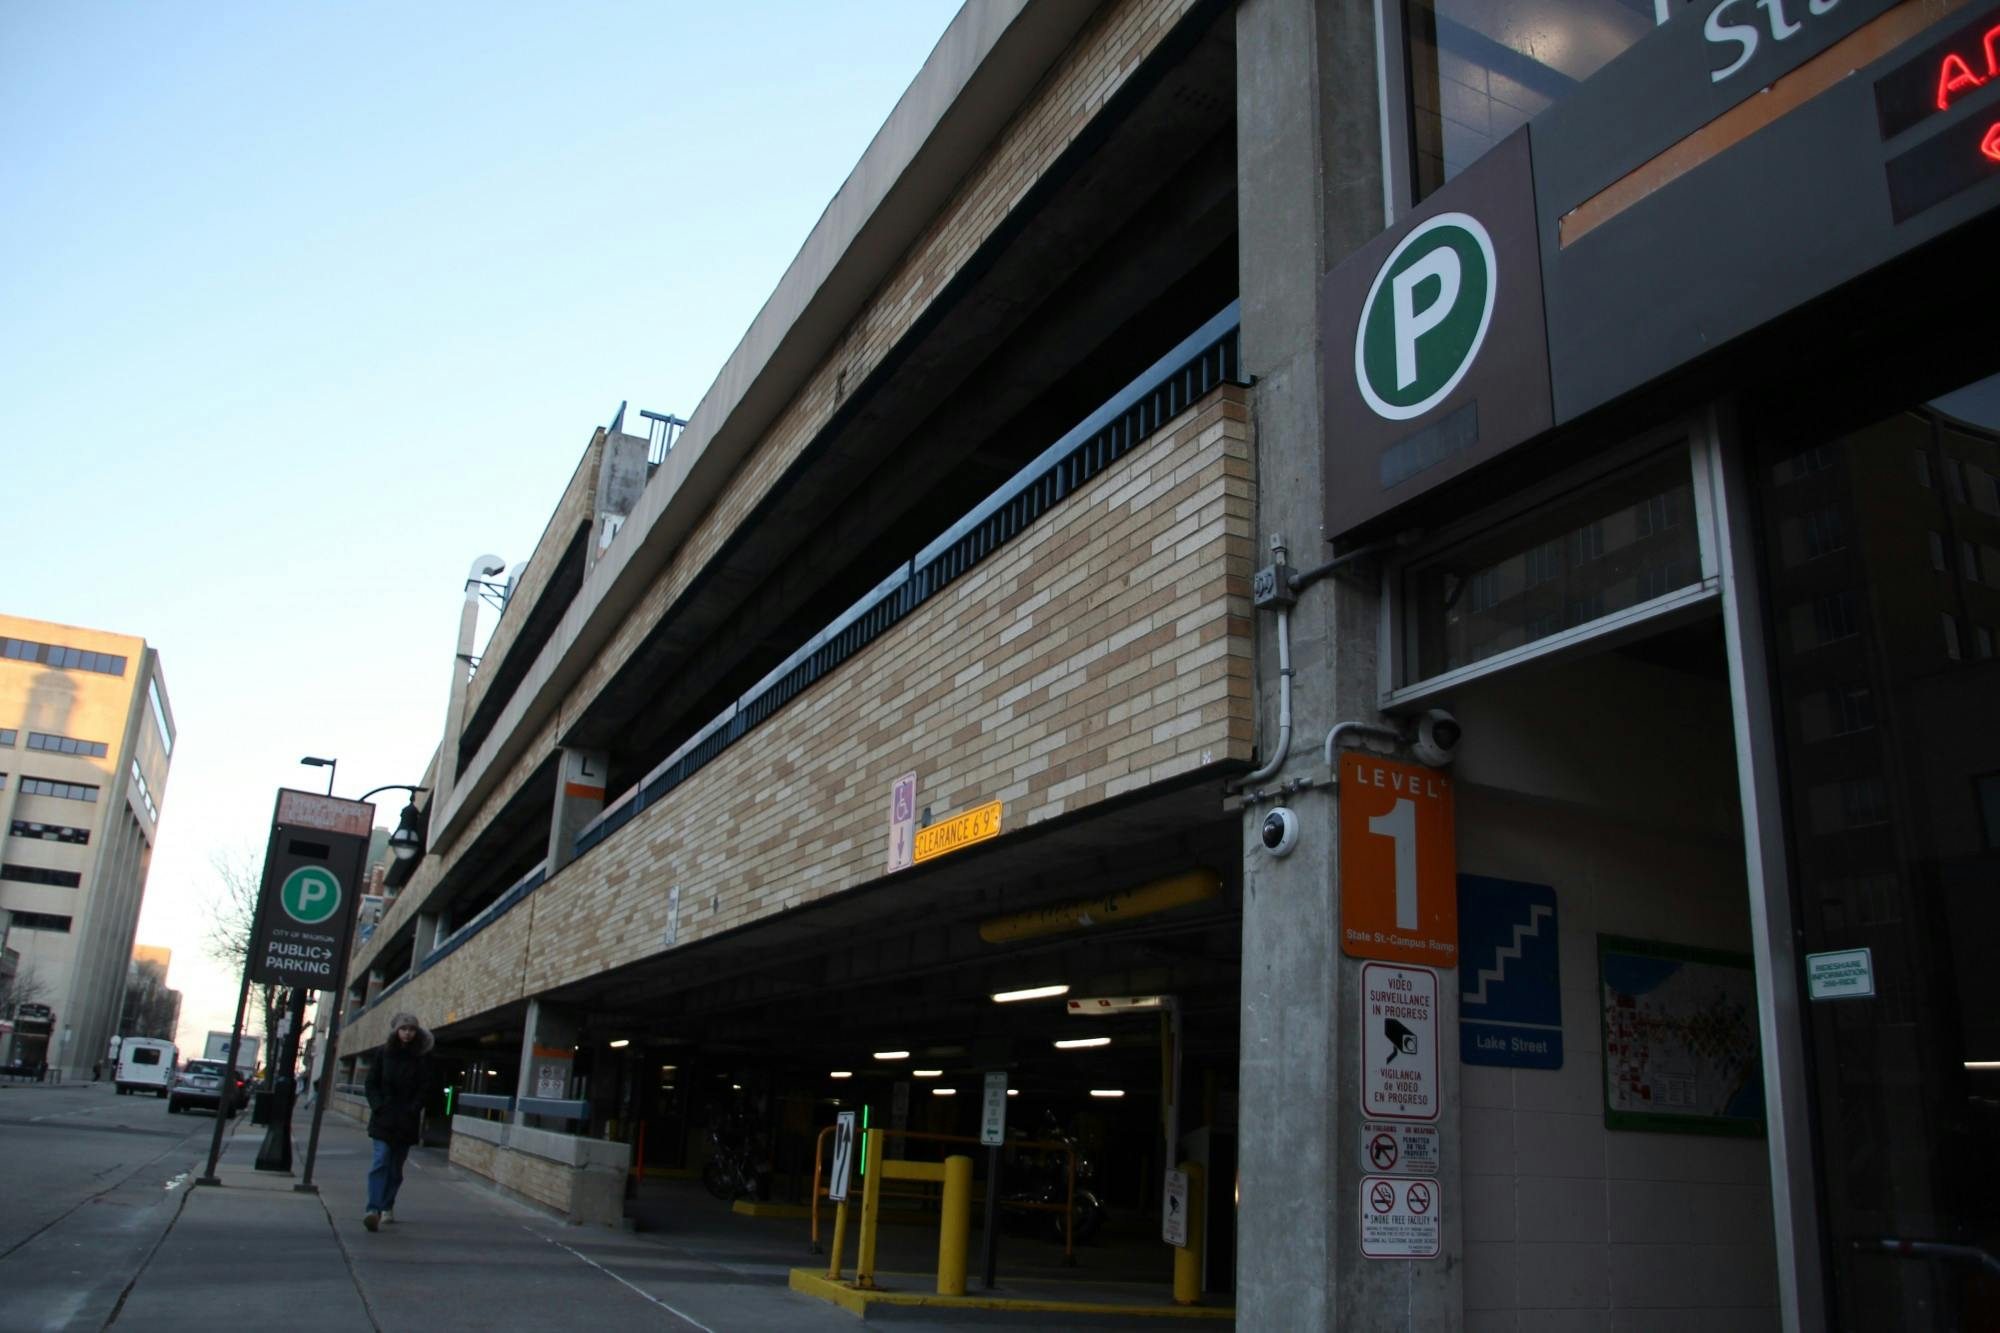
[
  {"x": 330, "y": 765},
  {"x": 407, "y": 841}
]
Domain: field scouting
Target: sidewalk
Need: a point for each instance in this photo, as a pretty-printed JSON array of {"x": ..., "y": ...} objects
[{"x": 463, "y": 1256}]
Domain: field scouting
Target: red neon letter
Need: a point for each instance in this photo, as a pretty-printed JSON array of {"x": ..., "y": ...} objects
[
  {"x": 1953, "y": 75},
  {"x": 1990, "y": 145},
  {"x": 1992, "y": 57}
]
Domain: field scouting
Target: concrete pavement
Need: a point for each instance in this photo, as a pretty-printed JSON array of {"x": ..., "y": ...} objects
[{"x": 463, "y": 1256}]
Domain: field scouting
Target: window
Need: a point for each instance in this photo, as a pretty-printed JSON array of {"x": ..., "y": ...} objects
[
  {"x": 1804, "y": 463},
  {"x": 68, "y": 791},
  {"x": 1984, "y": 638},
  {"x": 145, "y": 1055},
  {"x": 8, "y": 735},
  {"x": 1826, "y": 532},
  {"x": 1655, "y": 515},
  {"x": 1586, "y": 544},
  {"x": 1853, "y": 710},
  {"x": 144, "y": 793},
  {"x": 41, "y": 921},
  {"x": 1480, "y": 69},
  {"x": 1544, "y": 564},
  {"x": 1923, "y": 469},
  {"x": 61, "y": 879},
  {"x": 1968, "y": 561},
  {"x": 1949, "y": 623},
  {"x": 1987, "y": 787},
  {"x": 160, "y": 718},
  {"x": 56, "y": 655},
  {"x": 1833, "y": 617},
  {"x": 1954, "y": 480},
  {"x": 29, "y": 828},
  {"x": 39, "y": 740},
  {"x": 1937, "y": 552}
]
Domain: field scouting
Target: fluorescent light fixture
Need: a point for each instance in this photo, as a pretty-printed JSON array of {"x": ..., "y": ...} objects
[
  {"x": 736, "y": 1087},
  {"x": 1116, "y": 1004},
  {"x": 892, "y": 1055},
  {"x": 1081, "y": 1043},
  {"x": 1013, "y": 1092},
  {"x": 668, "y": 1069},
  {"x": 1982, "y": 1064},
  {"x": 928, "y": 1073},
  {"x": 841, "y": 1073},
  {"x": 944, "y": 1092},
  {"x": 493, "y": 1073},
  {"x": 620, "y": 1044},
  {"x": 1107, "y": 1092},
  {"x": 1031, "y": 993}
]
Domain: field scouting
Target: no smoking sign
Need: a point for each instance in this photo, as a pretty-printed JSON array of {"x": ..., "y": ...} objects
[{"x": 1400, "y": 1218}]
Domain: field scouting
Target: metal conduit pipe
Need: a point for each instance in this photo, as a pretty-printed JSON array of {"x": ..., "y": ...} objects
[
  {"x": 1359, "y": 729},
  {"x": 1284, "y": 744}
]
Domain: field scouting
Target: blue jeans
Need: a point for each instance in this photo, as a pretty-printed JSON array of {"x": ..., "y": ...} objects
[{"x": 385, "y": 1174}]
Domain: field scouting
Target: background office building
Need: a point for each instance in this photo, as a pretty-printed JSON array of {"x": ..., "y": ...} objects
[
  {"x": 1434, "y": 562},
  {"x": 86, "y": 738}
]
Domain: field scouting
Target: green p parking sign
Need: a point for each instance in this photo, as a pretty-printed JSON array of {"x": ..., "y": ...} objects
[
  {"x": 1425, "y": 317},
  {"x": 310, "y": 895}
]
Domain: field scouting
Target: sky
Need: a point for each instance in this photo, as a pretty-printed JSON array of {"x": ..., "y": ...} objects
[{"x": 304, "y": 306}]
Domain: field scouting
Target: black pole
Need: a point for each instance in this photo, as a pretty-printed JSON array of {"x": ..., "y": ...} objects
[
  {"x": 276, "y": 1152},
  {"x": 228, "y": 1088},
  {"x": 329, "y": 1040},
  {"x": 992, "y": 1213}
]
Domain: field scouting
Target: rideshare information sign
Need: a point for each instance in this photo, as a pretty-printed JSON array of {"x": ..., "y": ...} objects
[{"x": 305, "y": 910}]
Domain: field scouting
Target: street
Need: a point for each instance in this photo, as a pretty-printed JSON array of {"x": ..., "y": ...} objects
[{"x": 91, "y": 1181}]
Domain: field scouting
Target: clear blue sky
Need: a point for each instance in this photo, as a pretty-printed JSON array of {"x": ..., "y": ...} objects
[{"x": 304, "y": 306}]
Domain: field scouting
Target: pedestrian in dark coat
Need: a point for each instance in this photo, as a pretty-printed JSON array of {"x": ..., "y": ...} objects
[{"x": 398, "y": 1080}]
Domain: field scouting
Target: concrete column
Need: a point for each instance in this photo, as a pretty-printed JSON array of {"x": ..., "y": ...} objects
[
  {"x": 424, "y": 938},
  {"x": 548, "y": 1058},
  {"x": 579, "y": 799},
  {"x": 621, "y": 476},
  {"x": 483, "y": 568},
  {"x": 1310, "y": 179}
]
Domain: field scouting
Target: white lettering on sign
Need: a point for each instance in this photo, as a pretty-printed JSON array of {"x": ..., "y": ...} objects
[
  {"x": 1745, "y": 37},
  {"x": 1400, "y": 1218},
  {"x": 329, "y": 814},
  {"x": 843, "y": 1157},
  {"x": 1399, "y": 1047},
  {"x": 1845, "y": 974},
  {"x": 1174, "y": 1208}
]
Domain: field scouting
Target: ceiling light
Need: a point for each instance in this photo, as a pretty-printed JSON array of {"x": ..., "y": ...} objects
[
  {"x": 1107, "y": 1092},
  {"x": 892, "y": 1055},
  {"x": 493, "y": 1073},
  {"x": 1982, "y": 1064},
  {"x": 1013, "y": 1092},
  {"x": 1080, "y": 1043},
  {"x": 621, "y": 1043},
  {"x": 944, "y": 1092},
  {"x": 841, "y": 1073},
  {"x": 1031, "y": 993},
  {"x": 736, "y": 1087},
  {"x": 928, "y": 1073}
]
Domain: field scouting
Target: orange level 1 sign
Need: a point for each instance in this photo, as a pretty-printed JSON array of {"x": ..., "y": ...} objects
[
  {"x": 959, "y": 831},
  {"x": 1398, "y": 862}
]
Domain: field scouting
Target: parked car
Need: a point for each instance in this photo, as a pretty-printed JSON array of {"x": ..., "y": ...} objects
[
  {"x": 208, "y": 1083},
  {"x": 144, "y": 1064}
]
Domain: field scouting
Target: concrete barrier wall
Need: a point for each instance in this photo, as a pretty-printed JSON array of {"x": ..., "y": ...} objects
[{"x": 578, "y": 1178}]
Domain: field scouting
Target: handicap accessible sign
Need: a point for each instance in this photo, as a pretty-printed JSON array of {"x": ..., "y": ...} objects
[{"x": 1509, "y": 978}]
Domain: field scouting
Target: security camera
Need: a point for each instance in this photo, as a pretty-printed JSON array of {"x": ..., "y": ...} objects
[
  {"x": 1280, "y": 832},
  {"x": 1437, "y": 739}
]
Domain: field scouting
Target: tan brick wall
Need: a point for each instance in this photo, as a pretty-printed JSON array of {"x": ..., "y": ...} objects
[
  {"x": 473, "y": 1154},
  {"x": 1105, "y": 53}
]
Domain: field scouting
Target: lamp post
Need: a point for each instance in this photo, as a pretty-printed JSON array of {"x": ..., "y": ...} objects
[
  {"x": 406, "y": 843},
  {"x": 331, "y": 766}
]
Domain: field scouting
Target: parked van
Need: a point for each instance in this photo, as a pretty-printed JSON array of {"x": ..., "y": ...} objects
[{"x": 145, "y": 1064}]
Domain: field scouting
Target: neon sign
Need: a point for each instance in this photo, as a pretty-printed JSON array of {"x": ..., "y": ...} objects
[{"x": 1941, "y": 77}]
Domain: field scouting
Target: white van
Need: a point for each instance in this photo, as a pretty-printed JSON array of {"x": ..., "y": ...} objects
[{"x": 145, "y": 1064}]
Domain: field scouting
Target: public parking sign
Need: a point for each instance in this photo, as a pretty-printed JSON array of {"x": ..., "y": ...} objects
[{"x": 305, "y": 911}]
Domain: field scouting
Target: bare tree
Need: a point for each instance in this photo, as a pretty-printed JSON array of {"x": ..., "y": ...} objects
[
  {"x": 232, "y": 915},
  {"x": 23, "y": 986}
]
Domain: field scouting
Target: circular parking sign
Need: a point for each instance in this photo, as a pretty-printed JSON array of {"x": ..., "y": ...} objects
[
  {"x": 1425, "y": 317},
  {"x": 310, "y": 895}
]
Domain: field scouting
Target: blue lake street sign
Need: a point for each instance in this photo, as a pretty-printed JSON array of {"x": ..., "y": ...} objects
[{"x": 1509, "y": 977}]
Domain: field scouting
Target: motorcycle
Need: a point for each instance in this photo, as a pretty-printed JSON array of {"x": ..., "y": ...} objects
[
  {"x": 736, "y": 1166},
  {"x": 1036, "y": 1186}
]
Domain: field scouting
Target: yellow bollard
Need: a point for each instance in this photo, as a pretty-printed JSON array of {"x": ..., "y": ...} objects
[
  {"x": 871, "y": 1209},
  {"x": 839, "y": 1241},
  {"x": 954, "y": 1225},
  {"x": 1187, "y": 1258}
]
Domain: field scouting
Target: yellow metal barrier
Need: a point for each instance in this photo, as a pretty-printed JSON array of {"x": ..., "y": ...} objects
[
  {"x": 1187, "y": 1258},
  {"x": 955, "y": 1221}
]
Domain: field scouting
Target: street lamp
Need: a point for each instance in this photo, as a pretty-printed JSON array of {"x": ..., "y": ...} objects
[
  {"x": 408, "y": 839},
  {"x": 330, "y": 765}
]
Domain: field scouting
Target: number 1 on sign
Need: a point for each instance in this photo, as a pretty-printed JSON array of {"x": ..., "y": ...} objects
[{"x": 1400, "y": 826}]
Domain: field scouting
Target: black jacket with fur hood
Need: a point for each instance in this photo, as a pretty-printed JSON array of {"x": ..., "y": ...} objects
[{"x": 398, "y": 1081}]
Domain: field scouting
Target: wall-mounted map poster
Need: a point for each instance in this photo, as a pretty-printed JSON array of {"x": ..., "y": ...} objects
[{"x": 1681, "y": 1051}]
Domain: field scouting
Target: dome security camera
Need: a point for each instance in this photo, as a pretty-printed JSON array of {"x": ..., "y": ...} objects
[
  {"x": 1437, "y": 738},
  {"x": 1280, "y": 832}
]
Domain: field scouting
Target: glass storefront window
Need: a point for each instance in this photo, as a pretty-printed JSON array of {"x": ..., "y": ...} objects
[
  {"x": 1606, "y": 548},
  {"x": 1881, "y": 554},
  {"x": 1481, "y": 69}
]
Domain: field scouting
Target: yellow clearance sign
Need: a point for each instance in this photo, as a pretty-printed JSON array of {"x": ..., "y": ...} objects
[
  {"x": 1398, "y": 863},
  {"x": 959, "y": 831}
]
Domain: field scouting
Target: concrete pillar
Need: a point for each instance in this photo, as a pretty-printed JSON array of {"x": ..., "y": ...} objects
[
  {"x": 579, "y": 799},
  {"x": 548, "y": 1058},
  {"x": 376, "y": 981},
  {"x": 424, "y": 938},
  {"x": 1310, "y": 178},
  {"x": 621, "y": 476},
  {"x": 483, "y": 568}
]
